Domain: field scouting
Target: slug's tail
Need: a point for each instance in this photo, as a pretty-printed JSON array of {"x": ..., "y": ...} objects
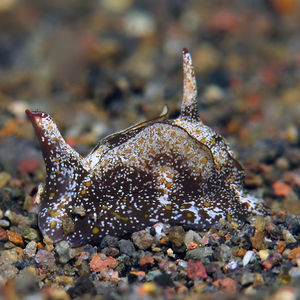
[{"x": 189, "y": 106}]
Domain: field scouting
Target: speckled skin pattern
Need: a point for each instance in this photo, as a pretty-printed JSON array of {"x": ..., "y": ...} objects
[{"x": 171, "y": 171}]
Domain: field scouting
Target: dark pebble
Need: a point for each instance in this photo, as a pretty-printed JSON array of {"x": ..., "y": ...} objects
[
  {"x": 110, "y": 251},
  {"x": 109, "y": 241},
  {"x": 163, "y": 280},
  {"x": 83, "y": 286},
  {"x": 126, "y": 247}
]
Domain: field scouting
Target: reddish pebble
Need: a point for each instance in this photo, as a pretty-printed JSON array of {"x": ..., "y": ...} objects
[
  {"x": 100, "y": 262},
  {"x": 71, "y": 141},
  {"x": 205, "y": 238},
  {"x": 45, "y": 258},
  {"x": 196, "y": 269},
  {"x": 138, "y": 273},
  {"x": 3, "y": 235},
  {"x": 267, "y": 264},
  {"x": 146, "y": 260},
  {"x": 28, "y": 166},
  {"x": 281, "y": 246},
  {"x": 15, "y": 238},
  {"x": 227, "y": 285},
  {"x": 281, "y": 189},
  {"x": 294, "y": 253},
  {"x": 192, "y": 245}
]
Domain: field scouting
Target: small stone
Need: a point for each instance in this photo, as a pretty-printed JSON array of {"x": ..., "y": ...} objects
[
  {"x": 64, "y": 251},
  {"x": 111, "y": 251},
  {"x": 28, "y": 166},
  {"x": 176, "y": 236},
  {"x": 281, "y": 189},
  {"x": 192, "y": 245},
  {"x": 170, "y": 252},
  {"x": 3, "y": 235},
  {"x": 225, "y": 253},
  {"x": 227, "y": 285},
  {"x": 1, "y": 213},
  {"x": 263, "y": 254},
  {"x": 100, "y": 262},
  {"x": 196, "y": 269},
  {"x": 126, "y": 247},
  {"x": 10, "y": 256},
  {"x": 294, "y": 272},
  {"x": 139, "y": 24},
  {"x": 4, "y": 223},
  {"x": 142, "y": 239},
  {"x": 247, "y": 257},
  {"x": 28, "y": 203},
  {"x": 15, "y": 238},
  {"x": 146, "y": 260},
  {"x": 258, "y": 279},
  {"x": 213, "y": 93},
  {"x": 247, "y": 278},
  {"x": 203, "y": 254},
  {"x": 83, "y": 286},
  {"x": 7, "y": 271},
  {"x": 191, "y": 236},
  {"x": 30, "y": 249},
  {"x": 31, "y": 234},
  {"x": 109, "y": 241},
  {"x": 45, "y": 258},
  {"x": 258, "y": 240},
  {"x": 288, "y": 237},
  {"x": 4, "y": 179},
  {"x": 281, "y": 246},
  {"x": 294, "y": 253},
  {"x": 232, "y": 265},
  {"x": 206, "y": 238},
  {"x": 26, "y": 283},
  {"x": 17, "y": 219},
  {"x": 48, "y": 243}
]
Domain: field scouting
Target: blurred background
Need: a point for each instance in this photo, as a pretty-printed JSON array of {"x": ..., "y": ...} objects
[{"x": 100, "y": 66}]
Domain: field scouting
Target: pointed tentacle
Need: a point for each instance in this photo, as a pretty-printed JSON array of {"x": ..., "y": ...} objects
[
  {"x": 189, "y": 106},
  {"x": 57, "y": 153}
]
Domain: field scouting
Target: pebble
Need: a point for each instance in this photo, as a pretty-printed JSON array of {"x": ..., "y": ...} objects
[
  {"x": 294, "y": 253},
  {"x": 101, "y": 262},
  {"x": 15, "y": 238},
  {"x": 10, "y": 256},
  {"x": 288, "y": 237},
  {"x": 170, "y": 252},
  {"x": 110, "y": 251},
  {"x": 176, "y": 236},
  {"x": 65, "y": 252},
  {"x": 17, "y": 219},
  {"x": 1, "y": 213},
  {"x": 142, "y": 239},
  {"x": 227, "y": 285},
  {"x": 191, "y": 236},
  {"x": 4, "y": 179},
  {"x": 126, "y": 247},
  {"x": 247, "y": 278},
  {"x": 247, "y": 257},
  {"x": 196, "y": 269},
  {"x": 203, "y": 254},
  {"x": 294, "y": 273},
  {"x": 146, "y": 260},
  {"x": 30, "y": 249},
  {"x": 45, "y": 258},
  {"x": 31, "y": 234},
  {"x": 4, "y": 223},
  {"x": 263, "y": 254}
]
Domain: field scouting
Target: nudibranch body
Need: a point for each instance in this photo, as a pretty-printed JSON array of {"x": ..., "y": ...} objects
[{"x": 171, "y": 171}]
